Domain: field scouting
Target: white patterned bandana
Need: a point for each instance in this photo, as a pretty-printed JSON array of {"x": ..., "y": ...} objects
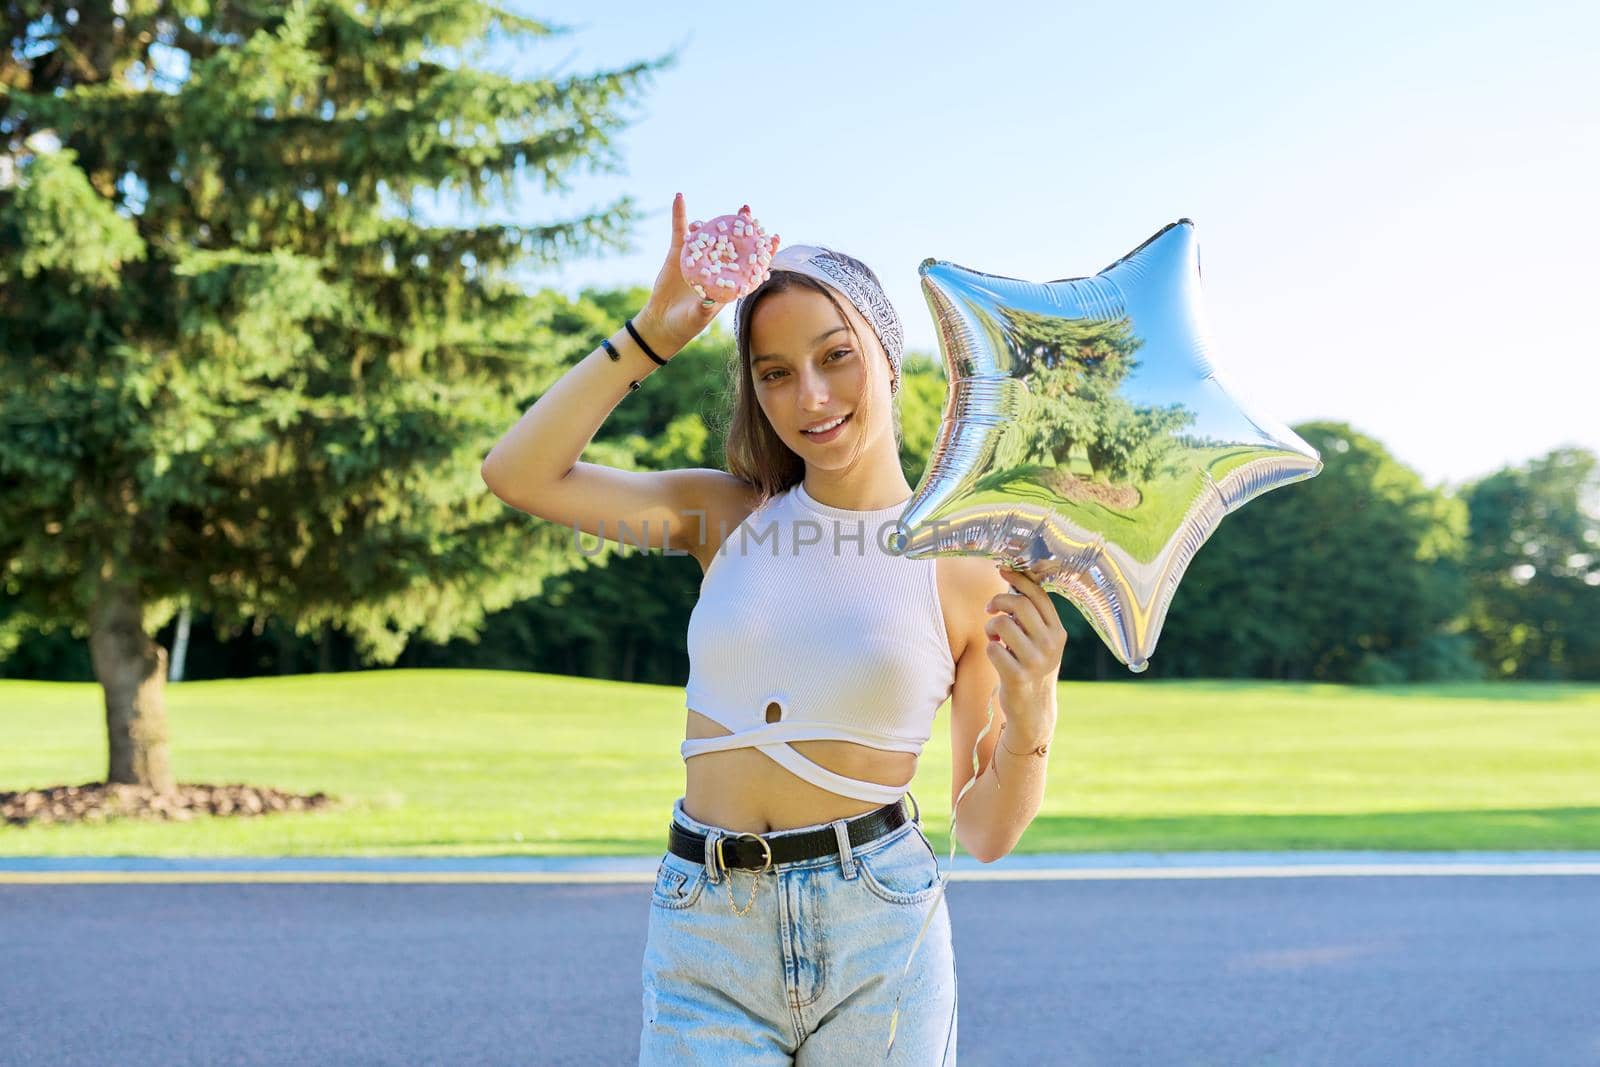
[{"x": 826, "y": 266}]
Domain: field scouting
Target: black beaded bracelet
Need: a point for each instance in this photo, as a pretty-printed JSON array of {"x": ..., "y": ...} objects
[
  {"x": 640, "y": 340},
  {"x": 611, "y": 350}
]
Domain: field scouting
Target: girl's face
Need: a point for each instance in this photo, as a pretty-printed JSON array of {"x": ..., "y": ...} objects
[{"x": 807, "y": 370}]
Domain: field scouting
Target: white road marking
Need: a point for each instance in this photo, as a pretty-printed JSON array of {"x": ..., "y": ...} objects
[{"x": 1049, "y": 874}]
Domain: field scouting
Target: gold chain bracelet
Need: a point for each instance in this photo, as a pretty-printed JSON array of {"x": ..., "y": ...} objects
[{"x": 1001, "y": 738}]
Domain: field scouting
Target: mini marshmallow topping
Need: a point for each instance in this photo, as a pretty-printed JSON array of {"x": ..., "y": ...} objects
[{"x": 727, "y": 257}]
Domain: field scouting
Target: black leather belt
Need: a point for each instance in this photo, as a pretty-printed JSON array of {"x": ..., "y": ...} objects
[{"x": 751, "y": 851}]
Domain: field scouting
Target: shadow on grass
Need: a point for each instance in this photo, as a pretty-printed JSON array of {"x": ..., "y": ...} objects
[
  {"x": 1486, "y": 829},
  {"x": 1514, "y": 691}
]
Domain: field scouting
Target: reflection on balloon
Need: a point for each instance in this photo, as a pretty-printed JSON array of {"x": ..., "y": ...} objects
[{"x": 1087, "y": 438}]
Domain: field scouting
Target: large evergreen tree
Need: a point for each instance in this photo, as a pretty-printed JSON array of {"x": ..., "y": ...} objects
[{"x": 236, "y": 369}]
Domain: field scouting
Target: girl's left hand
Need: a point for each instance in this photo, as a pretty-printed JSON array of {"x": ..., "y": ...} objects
[{"x": 1026, "y": 641}]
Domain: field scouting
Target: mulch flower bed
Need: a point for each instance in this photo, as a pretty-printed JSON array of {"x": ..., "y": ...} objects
[
  {"x": 1085, "y": 490},
  {"x": 99, "y": 801}
]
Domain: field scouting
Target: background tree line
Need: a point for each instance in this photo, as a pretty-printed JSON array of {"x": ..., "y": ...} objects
[{"x": 1363, "y": 574}]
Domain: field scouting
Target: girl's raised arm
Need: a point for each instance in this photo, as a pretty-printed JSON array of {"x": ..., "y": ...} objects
[{"x": 535, "y": 466}]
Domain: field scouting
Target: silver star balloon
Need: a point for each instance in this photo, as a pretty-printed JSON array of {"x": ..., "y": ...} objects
[{"x": 1087, "y": 438}]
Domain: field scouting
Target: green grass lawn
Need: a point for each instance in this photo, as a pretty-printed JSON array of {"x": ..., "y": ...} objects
[
  {"x": 1141, "y": 530},
  {"x": 495, "y": 762}
]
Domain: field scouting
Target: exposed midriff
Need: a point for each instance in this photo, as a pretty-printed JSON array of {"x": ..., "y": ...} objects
[{"x": 743, "y": 789}]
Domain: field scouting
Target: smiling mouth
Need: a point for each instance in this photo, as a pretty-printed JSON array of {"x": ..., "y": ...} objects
[{"x": 839, "y": 424}]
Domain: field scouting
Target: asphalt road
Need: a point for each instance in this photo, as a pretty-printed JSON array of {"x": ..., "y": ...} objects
[{"x": 1458, "y": 970}]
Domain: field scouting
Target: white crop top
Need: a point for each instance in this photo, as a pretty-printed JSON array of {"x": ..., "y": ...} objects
[{"x": 803, "y": 607}]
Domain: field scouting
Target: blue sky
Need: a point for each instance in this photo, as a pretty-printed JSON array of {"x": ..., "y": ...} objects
[{"x": 1394, "y": 202}]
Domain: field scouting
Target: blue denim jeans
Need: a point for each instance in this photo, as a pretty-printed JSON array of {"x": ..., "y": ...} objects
[{"x": 809, "y": 974}]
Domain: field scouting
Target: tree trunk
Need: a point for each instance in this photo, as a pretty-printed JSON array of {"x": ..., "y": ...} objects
[
  {"x": 132, "y": 669},
  {"x": 283, "y": 643},
  {"x": 180, "y": 645}
]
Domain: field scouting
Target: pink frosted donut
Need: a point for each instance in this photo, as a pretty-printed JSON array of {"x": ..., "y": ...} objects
[{"x": 726, "y": 257}]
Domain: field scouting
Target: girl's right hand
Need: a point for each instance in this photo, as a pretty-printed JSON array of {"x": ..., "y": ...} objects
[{"x": 673, "y": 313}]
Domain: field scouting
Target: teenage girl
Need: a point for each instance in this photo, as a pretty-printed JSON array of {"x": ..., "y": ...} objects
[{"x": 787, "y": 917}]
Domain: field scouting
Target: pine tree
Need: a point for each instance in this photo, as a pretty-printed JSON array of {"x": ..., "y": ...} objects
[{"x": 236, "y": 369}]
